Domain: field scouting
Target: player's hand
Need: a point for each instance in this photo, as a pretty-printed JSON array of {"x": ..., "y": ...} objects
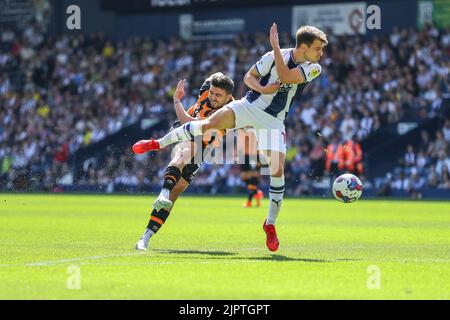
[
  {"x": 270, "y": 88},
  {"x": 274, "y": 41},
  {"x": 179, "y": 92}
]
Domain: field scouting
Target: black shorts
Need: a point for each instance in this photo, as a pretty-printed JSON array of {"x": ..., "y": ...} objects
[
  {"x": 252, "y": 181},
  {"x": 189, "y": 171}
]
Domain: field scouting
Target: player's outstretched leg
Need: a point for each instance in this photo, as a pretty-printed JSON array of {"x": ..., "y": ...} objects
[
  {"x": 224, "y": 118},
  {"x": 185, "y": 132},
  {"x": 142, "y": 146}
]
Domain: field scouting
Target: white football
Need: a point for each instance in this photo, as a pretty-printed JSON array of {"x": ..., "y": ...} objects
[{"x": 347, "y": 188}]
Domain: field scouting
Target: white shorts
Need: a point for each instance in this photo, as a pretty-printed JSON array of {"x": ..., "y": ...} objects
[{"x": 270, "y": 131}]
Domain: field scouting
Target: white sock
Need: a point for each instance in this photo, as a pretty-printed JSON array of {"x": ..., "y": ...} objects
[
  {"x": 147, "y": 235},
  {"x": 165, "y": 193},
  {"x": 276, "y": 192},
  {"x": 187, "y": 131}
]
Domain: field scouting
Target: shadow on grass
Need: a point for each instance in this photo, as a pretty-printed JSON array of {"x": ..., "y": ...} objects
[
  {"x": 272, "y": 257},
  {"x": 210, "y": 253},
  {"x": 281, "y": 258}
]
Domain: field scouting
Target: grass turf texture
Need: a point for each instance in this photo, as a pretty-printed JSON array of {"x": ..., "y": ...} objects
[{"x": 212, "y": 248}]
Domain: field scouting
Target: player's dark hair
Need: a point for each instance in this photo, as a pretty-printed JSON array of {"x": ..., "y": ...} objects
[
  {"x": 307, "y": 35},
  {"x": 219, "y": 80}
]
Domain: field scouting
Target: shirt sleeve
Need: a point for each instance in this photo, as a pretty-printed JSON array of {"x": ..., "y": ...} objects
[
  {"x": 310, "y": 71},
  {"x": 264, "y": 65},
  {"x": 191, "y": 110}
]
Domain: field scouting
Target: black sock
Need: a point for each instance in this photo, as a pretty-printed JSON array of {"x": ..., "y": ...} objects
[{"x": 157, "y": 219}]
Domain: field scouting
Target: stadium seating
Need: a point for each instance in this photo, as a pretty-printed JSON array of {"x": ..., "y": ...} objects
[{"x": 58, "y": 96}]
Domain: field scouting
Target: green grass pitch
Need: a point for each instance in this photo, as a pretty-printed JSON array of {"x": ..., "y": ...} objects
[{"x": 82, "y": 247}]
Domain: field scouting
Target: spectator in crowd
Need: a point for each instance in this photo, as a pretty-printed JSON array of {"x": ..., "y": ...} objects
[
  {"x": 334, "y": 157},
  {"x": 446, "y": 131},
  {"x": 353, "y": 156},
  {"x": 410, "y": 157},
  {"x": 433, "y": 179},
  {"x": 427, "y": 167},
  {"x": 445, "y": 180},
  {"x": 385, "y": 187},
  {"x": 442, "y": 162},
  {"x": 402, "y": 183},
  {"x": 416, "y": 185}
]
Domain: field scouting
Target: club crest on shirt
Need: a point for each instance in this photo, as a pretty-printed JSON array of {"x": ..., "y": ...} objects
[{"x": 313, "y": 73}]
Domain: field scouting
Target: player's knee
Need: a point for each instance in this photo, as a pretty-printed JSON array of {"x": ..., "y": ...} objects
[
  {"x": 278, "y": 173},
  {"x": 181, "y": 159},
  {"x": 277, "y": 169},
  {"x": 177, "y": 162},
  {"x": 209, "y": 124}
]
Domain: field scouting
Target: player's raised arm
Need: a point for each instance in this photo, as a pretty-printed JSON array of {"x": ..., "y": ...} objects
[
  {"x": 285, "y": 74},
  {"x": 251, "y": 79},
  {"x": 182, "y": 115}
]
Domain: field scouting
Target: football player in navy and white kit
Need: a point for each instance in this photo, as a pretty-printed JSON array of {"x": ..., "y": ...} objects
[{"x": 274, "y": 81}]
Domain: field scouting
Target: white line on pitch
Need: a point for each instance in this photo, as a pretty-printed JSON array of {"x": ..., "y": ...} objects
[{"x": 49, "y": 263}]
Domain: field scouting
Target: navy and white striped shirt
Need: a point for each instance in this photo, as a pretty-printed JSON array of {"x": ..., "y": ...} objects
[{"x": 278, "y": 104}]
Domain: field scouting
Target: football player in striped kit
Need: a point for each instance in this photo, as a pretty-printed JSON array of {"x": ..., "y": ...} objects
[
  {"x": 215, "y": 92},
  {"x": 274, "y": 81}
]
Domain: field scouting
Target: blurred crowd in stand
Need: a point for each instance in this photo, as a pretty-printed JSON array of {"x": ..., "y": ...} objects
[{"x": 61, "y": 94}]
